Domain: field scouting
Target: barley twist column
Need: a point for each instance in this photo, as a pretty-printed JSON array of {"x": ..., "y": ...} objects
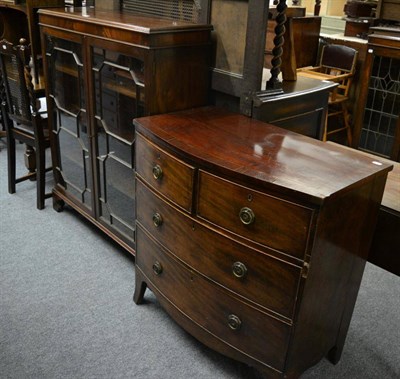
[{"x": 274, "y": 82}]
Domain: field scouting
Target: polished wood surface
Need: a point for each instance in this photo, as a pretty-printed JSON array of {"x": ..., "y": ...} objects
[
  {"x": 208, "y": 306},
  {"x": 270, "y": 231},
  {"x": 145, "y": 30},
  {"x": 272, "y": 284},
  {"x": 272, "y": 162},
  {"x": 272, "y": 243}
]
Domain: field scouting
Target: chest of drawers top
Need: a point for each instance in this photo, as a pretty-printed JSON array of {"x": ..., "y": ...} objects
[{"x": 258, "y": 154}]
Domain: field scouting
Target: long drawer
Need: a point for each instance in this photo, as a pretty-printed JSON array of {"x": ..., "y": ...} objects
[
  {"x": 265, "y": 280},
  {"x": 166, "y": 174},
  {"x": 276, "y": 223},
  {"x": 239, "y": 325}
]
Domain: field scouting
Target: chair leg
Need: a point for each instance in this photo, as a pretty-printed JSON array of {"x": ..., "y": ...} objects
[
  {"x": 325, "y": 134},
  {"x": 10, "y": 149},
  {"x": 346, "y": 117},
  {"x": 40, "y": 176},
  {"x": 11, "y": 163},
  {"x": 30, "y": 159}
]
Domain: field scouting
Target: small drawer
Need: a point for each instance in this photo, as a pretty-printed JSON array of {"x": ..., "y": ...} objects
[
  {"x": 236, "y": 324},
  {"x": 276, "y": 223},
  {"x": 253, "y": 275},
  {"x": 163, "y": 172}
]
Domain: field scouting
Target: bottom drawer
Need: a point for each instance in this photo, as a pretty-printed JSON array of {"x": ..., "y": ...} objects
[{"x": 243, "y": 327}]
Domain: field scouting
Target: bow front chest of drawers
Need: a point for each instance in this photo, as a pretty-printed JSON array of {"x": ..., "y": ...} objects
[{"x": 253, "y": 238}]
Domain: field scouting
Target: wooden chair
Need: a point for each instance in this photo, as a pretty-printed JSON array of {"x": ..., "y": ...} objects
[
  {"x": 337, "y": 63},
  {"x": 21, "y": 117}
]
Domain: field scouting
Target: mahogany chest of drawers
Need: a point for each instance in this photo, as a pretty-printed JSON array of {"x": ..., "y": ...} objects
[{"x": 253, "y": 238}]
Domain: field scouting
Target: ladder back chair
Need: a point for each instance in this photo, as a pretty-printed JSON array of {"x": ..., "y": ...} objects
[
  {"x": 337, "y": 63},
  {"x": 21, "y": 116}
]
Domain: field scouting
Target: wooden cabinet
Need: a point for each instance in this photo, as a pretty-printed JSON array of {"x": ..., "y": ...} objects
[
  {"x": 253, "y": 238},
  {"x": 301, "y": 107},
  {"x": 377, "y": 126},
  {"x": 388, "y": 10},
  {"x": 104, "y": 69}
]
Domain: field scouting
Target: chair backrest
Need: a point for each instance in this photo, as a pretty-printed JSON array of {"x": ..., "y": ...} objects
[
  {"x": 338, "y": 57},
  {"x": 339, "y": 61},
  {"x": 17, "y": 88}
]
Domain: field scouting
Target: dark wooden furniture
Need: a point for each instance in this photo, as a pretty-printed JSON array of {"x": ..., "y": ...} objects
[
  {"x": 388, "y": 10},
  {"x": 385, "y": 244},
  {"x": 301, "y": 44},
  {"x": 239, "y": 35},
  {"x": 253, "y": 238},
  {"x": 386, "y": 241},
  {"x": 301, "y": 107},
  {"x": 377, "y": 126},
  {"x": 21, "y": 115},
  {"x": 103, "y": 69},
  {"x": 19, "y": 19},
  {"x": 290, "y": 13}
]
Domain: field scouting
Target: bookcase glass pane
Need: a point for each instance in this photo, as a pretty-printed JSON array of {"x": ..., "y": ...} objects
[
  {"x": 117, "y": 184},
  {"x": 118, "y": 81},
  {"x": 70, "y": 117},
  {"x": 382, "y": 111}
]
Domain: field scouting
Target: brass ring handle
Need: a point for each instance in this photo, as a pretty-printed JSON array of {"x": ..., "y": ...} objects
[
  {"x": 239, "y": 270},
  {"x": 247, "y": 216},
  {"x": 157, "y": 268},
  {"x": 157, "y": 172},
  {"x": 234, "y": 322},
  {"x": 157, "y": 220}
]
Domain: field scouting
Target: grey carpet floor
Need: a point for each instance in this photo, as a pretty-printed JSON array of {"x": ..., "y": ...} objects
[{"x": 66, "y": 308}]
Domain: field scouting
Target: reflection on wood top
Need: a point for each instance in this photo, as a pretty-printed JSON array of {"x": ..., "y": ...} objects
[
  {"x": 252, "y": 151},
  {"x": 128, "y": 21}
]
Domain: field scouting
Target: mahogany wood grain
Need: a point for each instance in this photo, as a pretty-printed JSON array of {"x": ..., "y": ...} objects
[
  {"x": 269, "y": 281},
  {"x": 256, "y": 153},
  {"x": 307, "y": 188},
  {"x": 210, "y": 307},
  {"x": 266, "y": 229},
  {"x": 176, "y": 178},
  {"x": 137, "y": 29}
]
